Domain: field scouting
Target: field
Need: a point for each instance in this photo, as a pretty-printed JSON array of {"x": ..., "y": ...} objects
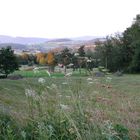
[{"x": 70, "y": 108}]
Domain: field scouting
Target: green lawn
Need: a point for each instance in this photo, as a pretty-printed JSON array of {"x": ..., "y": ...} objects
[
  {"x": 116, "y": 100},
  {"x": 44, "y": 73},
  {"x": 40, "y": 73}
]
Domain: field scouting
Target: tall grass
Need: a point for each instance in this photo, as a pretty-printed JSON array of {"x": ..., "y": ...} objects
[{"x": 68, "y": 109}]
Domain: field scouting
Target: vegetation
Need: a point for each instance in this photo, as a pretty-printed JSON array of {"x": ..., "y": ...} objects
[
  {"x": 51, "y": 61},
  {"x": 118, "y": 53},
  {"x": 36, "y": 73},
  {"x": 8, "y": 61},
  {"x": 121, "y": 52},
  {"x": 89, "y": 104},
  {"x": 70, "y": 108}
]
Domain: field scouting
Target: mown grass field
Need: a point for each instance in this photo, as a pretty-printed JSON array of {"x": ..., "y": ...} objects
[
  {"x": 82, "y": 108},
  {"x": 43, "y": 73}
]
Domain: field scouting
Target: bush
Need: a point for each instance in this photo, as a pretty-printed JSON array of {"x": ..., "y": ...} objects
[
  {"x": 99, "y": 74},
  {"x": 15, "y": 77},
  {"x": 118, "y": 73}
]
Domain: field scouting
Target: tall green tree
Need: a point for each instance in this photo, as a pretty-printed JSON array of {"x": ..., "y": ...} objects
[
  {"x": 8, "y": 61},
  {"x": 81, "y": 51},
  {"x": 131, "y": 38},
  {"x": 121, "y": 51},
  {"x": 66, "y": 58},
  {"x": 134, "y": 66},
  {"x": 109, "y": 53}
]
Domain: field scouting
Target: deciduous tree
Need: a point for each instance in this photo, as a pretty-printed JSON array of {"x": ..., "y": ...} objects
[{"x": 51, "y": 61}]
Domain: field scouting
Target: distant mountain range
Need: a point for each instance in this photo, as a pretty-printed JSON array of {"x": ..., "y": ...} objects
[
  {"x": 22, "y": 40},
  {"x": 33, "y": 44},
  {"x": 87, "y": 38},
  {"x": 14, "y": 46},
  {"x": 37, "y": 40}
]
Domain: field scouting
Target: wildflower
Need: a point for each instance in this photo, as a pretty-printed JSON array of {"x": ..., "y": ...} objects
[
  {"x": 64, "y": 107},
  {"x": 71, "y": 130},
  {"x": 41, "y": 125},
  {"x": 64, "y": 83},
  {"x": 89, "y": 79},
  {"x": 49, "y": 87},
  {"x": 41, "y": 80},
  {"x": 36, "y": 70},
  {"x": 68, "y": 96},
  {"x": 108, "y": 79},
  {"x": 54, "y": 86},
  {"x": 68, "y": 74},
  {"x": 30, "y": 93},
  {"x": 90, "y": 82},
  {"x": 48, "y": 73}
]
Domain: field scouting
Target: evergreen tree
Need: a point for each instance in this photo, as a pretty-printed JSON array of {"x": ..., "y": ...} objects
[
  {"x": 8, "y": 61},
  {"x": 131, "y": 39}
]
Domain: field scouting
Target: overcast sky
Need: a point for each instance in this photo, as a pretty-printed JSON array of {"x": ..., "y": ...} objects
[{"x": 66, "y": 18}]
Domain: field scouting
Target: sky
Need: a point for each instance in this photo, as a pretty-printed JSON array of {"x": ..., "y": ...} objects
[{"x": 66, "y": 18}]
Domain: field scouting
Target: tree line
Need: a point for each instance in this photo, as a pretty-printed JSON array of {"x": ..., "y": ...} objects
[
  {"x": 65, "y": 58},
  {"x": 10, "y": 62}
]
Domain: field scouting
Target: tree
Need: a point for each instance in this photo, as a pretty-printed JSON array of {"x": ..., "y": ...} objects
[
  {"x": 81, "y": 51},
  {"x": 23, "y": 58},
  {"x": 131, "y": 39},
  {"x": 32, "y": 59},
  {"x": 8, "y": 61},
  {"x": 135, "y": 64},
  {"x": 75, "y": 61},
  {"x": 90, "y": 53},
  {"x": 121, "y": 52},
  {"x": 51, "y": 61},
  {"x": 41, "y": 58},
  {"x": 50, "y": 58},
  {"x": 110, "y": 53},
  {"x": 42, "y": 61},
  {"x": 66, "y": 58}
]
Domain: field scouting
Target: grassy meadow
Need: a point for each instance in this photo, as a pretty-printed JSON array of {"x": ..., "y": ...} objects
[{"x": 78, "y": 107}]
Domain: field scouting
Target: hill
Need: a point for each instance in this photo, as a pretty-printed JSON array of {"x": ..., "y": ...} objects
[
  {"x": 34, "y": 45},
  {"x": 22, "y": 40},
  {"x": 14, "y": 46},
  {"x": 60, "y": 40}
]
